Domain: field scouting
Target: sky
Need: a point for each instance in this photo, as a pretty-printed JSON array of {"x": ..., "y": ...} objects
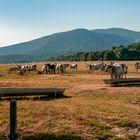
[{"x": 24, "y": 20}]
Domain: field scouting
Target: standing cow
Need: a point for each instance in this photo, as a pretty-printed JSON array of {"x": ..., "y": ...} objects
[
  {"x": 33, "y": 67},
  {"x": 73, "y": 67},
  {"x": 61, "y": 68},
  {"x": 13, "y": 69},
  {"x": 137, "y": 66},
  {"x": 116, "y": 71},
  {"x": 93, "y": 67},
  {"x": 47, "y": 68}
]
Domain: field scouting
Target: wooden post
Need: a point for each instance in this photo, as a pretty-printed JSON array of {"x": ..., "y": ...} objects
[{"x": 13, "y": 120}]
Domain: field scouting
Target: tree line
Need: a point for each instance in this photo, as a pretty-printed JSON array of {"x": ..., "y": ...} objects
[{"x": 130, "y": 52}]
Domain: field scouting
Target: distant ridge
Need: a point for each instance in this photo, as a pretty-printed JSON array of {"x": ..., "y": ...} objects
[
  {"x": 70, "y": 42},
  {"x": 133, "y": 36}
]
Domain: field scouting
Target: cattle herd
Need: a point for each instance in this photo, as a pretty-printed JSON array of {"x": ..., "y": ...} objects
[
  {"x": 115, "y": 70},
  {"x": 46, "y": 68},
  {"x": 22, "y": 69}
]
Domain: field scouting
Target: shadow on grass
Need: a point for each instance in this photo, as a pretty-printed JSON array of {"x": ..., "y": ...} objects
[
  {"x": 128, "y": 85},
  {"x": 124, "y": 85},
  {"x": 134, "y": 72},
  {"x": 37, "y": 98},
  {"x": 48, "y": 98},
  {"x": 44, "y": 136}
]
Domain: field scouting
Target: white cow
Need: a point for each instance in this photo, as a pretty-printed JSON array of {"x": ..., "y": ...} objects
[
  {"x": 62, "y": 67},
  {"x": 116, "y": 71},
  {"x": 93, "y": 67},
  {"x": 33, "y": 67},
  {"x": 73, "y": 67}
]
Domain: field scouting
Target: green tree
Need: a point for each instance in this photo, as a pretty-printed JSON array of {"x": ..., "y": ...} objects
[{"x": 109, "y": 55}]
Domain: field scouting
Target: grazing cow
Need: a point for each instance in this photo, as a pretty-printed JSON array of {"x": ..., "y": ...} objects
[
  {"x": 24, "y": 69},
  {"x": 65, "y": 66},
  {"x": 103, "y": 67},
  {"x": 116, "y": 70},
  {"x": 93, "y": 67},
  {"x": 33, "y": 67},
  {"x": 137, "y": 66},
  {"x": 62, "y": 67},
  {"x": 125, "y": 69},
  {"x": 13, "y": 69},
  {"x": 44, "y": 69},
  {"x": 73, "y": 67},
  {"x": 49, "y": 68}
]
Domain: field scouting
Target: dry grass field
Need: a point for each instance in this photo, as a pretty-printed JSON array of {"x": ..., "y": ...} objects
[{"x": 90, "y": 109}]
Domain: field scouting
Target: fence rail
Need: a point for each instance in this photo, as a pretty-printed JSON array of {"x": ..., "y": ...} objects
[{"x": 14, "y": 92}]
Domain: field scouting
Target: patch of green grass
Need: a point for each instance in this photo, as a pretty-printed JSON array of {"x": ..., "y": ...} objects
[
  {"x": 101, "y": 131},
  {"x": 124, "y": 123},
  {"x": 132, "y": 137},
  {"x": 45, "y": 136}
]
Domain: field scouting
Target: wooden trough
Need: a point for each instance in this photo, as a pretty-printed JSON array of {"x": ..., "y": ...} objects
[
  {"x": 35, "y": 92},
  {"x": 121, "y": 82}
]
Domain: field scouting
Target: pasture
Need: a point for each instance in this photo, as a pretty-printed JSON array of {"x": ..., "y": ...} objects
[{"x": 89, "y": 110}]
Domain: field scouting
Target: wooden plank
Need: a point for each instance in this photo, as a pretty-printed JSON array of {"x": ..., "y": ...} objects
[
  {"x": 122, "y": 81},
  {"x": 8, "y": 92}
]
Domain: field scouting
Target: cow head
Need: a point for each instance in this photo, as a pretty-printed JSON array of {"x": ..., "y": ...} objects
[
  {"x": 108, "y": 68},
  {"x": 103, "y": 67}
]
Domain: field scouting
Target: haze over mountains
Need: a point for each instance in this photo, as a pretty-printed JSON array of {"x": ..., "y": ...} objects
[
  {"x": 132, "y": 36},
  {"x": 74, "y": 41}
]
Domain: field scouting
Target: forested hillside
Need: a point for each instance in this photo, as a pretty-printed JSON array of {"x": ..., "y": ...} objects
[
  {"x": 67, "y": 43},
  {"x": 78, "y": 44},
  {"x": 129, "y": 52}
]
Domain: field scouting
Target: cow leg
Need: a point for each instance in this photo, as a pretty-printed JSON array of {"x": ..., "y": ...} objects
[
  {"x": 62, "y": 72},
  {"x": 112, "y": 75},
  {"x": 45, "y": 71}
]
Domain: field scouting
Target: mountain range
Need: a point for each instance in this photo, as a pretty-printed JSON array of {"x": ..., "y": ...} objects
[{"x": 78, "y": 40}]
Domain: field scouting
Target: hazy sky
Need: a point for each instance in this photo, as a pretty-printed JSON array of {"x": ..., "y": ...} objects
[{"x": 23, "y": 20}]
